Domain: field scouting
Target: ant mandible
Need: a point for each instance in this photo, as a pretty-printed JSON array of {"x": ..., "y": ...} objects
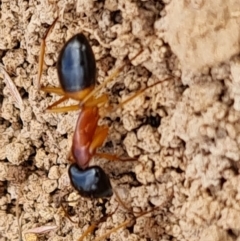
[{"x": 76, "y": 68}]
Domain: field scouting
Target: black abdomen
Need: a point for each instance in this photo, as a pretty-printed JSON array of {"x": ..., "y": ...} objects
[{"x": 76, "y": 65}]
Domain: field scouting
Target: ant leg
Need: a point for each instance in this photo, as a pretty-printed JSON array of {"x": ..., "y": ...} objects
[
  {"x": 130, "y": 220},
  {"x": 94, "y": 225},
  {"x": 66, "y": 214},
  {"x": 79, "y": 95},
  {"x": 139, "y": 92},
  {"x": 112, "y": 157},
  {"x": 122, "y": 225},
  {"x": 100, "y": 101},
  {"x": 42, "y": 52},
  {"x": 108, "y": 79},
  {"x": 62, "y": 109},
  {"x": 55, "y": 90},
  {"x": 99, "y": 137},
  {"x": 52, "y": 109},
  {"x": 94, "y": 102},
  {"x": 57, "y": 102},
  {"x": 89, "y": 230},
  {"x": 97, "y": 101}
]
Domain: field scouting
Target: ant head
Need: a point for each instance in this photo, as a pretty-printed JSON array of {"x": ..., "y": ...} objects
[{"x": 90, "y": 182}]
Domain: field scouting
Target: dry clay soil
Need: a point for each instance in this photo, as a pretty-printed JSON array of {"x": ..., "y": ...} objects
[{"x": 184, "y": 133}]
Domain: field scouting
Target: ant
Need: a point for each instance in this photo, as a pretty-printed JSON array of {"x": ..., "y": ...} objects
[{"x": 76, "y": 68}]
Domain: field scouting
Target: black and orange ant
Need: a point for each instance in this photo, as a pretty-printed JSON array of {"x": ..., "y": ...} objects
[{"x": 76, "y": 68}]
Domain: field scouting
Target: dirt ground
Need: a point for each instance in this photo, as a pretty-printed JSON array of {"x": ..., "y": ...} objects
[{"x": 184, "y": 132}]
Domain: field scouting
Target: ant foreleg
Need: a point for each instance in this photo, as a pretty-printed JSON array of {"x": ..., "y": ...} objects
[{"x": 42, "y": 52}]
